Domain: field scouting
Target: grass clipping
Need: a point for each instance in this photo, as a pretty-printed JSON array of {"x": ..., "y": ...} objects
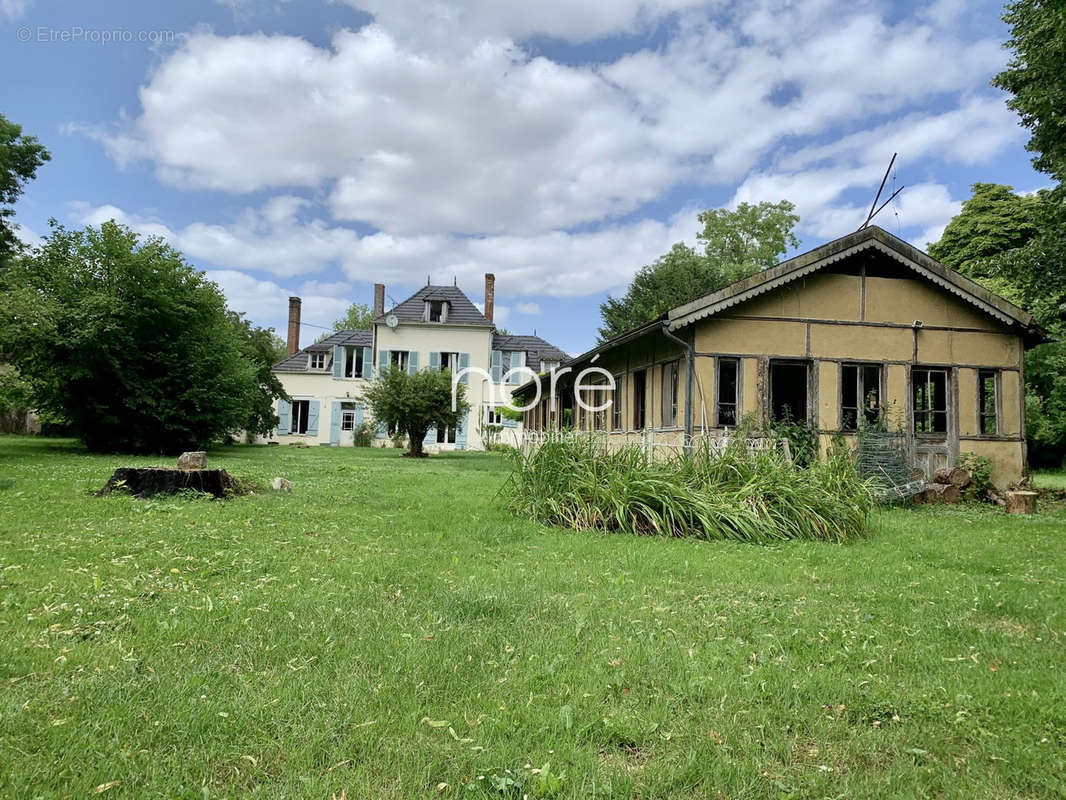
[{"x": 735, "y": 494}]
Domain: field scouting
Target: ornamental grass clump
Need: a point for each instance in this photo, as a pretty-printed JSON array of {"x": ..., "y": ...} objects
[{"x": 737, "y": 494}]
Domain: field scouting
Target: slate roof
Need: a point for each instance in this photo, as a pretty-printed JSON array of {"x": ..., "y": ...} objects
[
  {"x": 536, "y": 349},
  {"x": 460, "y": 310},
  {"x": 298, "y": 361}
]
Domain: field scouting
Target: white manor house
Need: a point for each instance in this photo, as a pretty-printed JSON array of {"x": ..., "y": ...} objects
[{"x": 437, "y": 327}]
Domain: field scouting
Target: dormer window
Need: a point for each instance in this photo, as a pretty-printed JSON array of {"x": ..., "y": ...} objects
[
  {"x": 436, "y": 311},
  {"x": 318, "y": 360}
]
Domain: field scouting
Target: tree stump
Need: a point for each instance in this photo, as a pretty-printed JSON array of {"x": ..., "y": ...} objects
[
  {"x": 942, "y": 493},
  {"x": 148, "y": 481},
  {"x": 1021, "y": 502},
  {"x": 956, "y": 476}
]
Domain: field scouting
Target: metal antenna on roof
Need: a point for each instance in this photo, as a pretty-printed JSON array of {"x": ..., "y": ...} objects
[
  {"x": 874, "y": 208},
  {"x": 455, "y": 281},
  {"x": 427, "y": 280}
]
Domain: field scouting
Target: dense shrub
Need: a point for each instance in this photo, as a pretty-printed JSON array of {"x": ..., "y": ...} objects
[{"x": 735, "y": 494}]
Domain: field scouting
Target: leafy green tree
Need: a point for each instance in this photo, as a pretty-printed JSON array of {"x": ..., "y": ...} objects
[
  {"x": 751, "y": 238},
  {"x": 992, "y": 221},
  {"x": 1016, "y": 247},
  {"x": 358, "y": 317},
  {"x": 124, "y": 339},
  {"x": 263, "y": 348},
  {"x": 733, "y": 245},
  {"x": 20, "y": 156},
  {"x": 1034, "y": 76},
  {"x": 415, "y": 403}
]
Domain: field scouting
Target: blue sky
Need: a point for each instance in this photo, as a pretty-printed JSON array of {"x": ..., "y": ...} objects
[{"x": 315, "y": 148}]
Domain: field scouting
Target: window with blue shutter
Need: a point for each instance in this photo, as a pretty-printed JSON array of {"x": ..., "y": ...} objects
[
  {"x": 368, "y": 359},
  {"x": 496, "y": 367},
  {"x": 338, "y": 361},
  {"x": 335, "y": 423},
  {"x": 434, "y": 362},
  {"x": 412, "y": 362},
  {"x": 312, "y": 418},
  {"x": 460, "y": 435},
  {"x": 284, "y": 417},
  {"x": 464, "y": 363},
  {"x": 383, "y": 361}
]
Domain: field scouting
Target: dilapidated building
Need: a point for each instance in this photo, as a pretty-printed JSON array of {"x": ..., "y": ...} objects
[{"x": 863, "y": 329}]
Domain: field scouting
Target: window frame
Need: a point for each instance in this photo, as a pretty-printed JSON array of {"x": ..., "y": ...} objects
[
  {"x": 640, "y": 403},
  {"x": 492, "y": 415},
  {"x": 861, "y": 394},
  {"x": 316, "y": 355},
  {"x": 930, "y": 413},
  {"x": 347, "y": 419},
  {"x": 983, "y": 374},
  {"x": 618, "y": 402},
  {"x": 718, "y": 403},
  {"x": 668, "y": 406},
  {"x": 354, "y": 363},
  {"x": 297, "y": 417},
  {"x": 441, "y": 311},
  {"x": 399, "y": 358}
]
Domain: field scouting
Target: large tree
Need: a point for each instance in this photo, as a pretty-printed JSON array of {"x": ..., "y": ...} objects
[
  {"x": 126, "y": 341},
  {"x": 1034, "y": 76},
  {"x": 358, "y": 317},
  {"x": 263, "y": 348},
  {"x": 20, "y": 156},
  {"x": 732, "y": 245},
  {"x": 993, "y": 220},
  {"x": 414, "y": 403}
]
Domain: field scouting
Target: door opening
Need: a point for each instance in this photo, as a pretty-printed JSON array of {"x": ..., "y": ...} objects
[{"x": 788, "y": 390}]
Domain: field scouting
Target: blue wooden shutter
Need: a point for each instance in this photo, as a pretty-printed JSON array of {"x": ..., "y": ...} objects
[
  {"x": 335, "y": 423},
  {"x": 412, "y": 362},
  {"x": 434, "y": 362},
  {"x": 368, "y": 361},
  {"x": 338, "y": 361},
  {"x": 312, "y": 418},
  {"x": 464, "y": 363},
  {"x": 516, "y": 363},
  {"x": 431, "y": 437},
  {"x": 460, "y": 435},
  {"x": 496, "y": 369},
  {"x": 284, "y": 417},
  {"x": 359, "y": 410},
  {"x": 383, "y": 361}
]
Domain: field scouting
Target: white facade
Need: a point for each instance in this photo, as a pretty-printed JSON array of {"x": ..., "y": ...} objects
[{"x": 326, "y": 406}]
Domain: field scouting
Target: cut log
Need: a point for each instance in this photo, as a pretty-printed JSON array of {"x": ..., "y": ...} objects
[
  {"x": 147, "y": 481},
  {"x": 956, "y": 476},
  {"x": 942, "y": 493},
  {"x": 1021, "y": 502}
]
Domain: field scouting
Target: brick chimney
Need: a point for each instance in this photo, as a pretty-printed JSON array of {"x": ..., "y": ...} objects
[
  {"x": 490, "y": 294},
  {"x": 379, "y": 299},
  {"x": 294, "y": 325}
]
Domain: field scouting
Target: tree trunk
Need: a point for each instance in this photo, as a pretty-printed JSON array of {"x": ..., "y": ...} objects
[
  {"x": 147, "y": 481},
  {"x": 1021, "y": 502},
  {"x": 414, "y": 443},
  {"x": 942, "y": 493},
  {"x": 956, "y": 476}
]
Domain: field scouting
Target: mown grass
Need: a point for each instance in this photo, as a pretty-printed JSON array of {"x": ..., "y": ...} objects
[{"x": 390, "y": 630}]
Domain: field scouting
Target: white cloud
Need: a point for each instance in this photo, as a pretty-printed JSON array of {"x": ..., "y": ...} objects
[
  {"x": 14, "y": 9},
  {"x": 267, "y": 303},
  {"x": 530, "y": 309},
  {"x": 416, "y": 138},
  {"x": 554, "y": 263},
  {"x": 440, "y": 22}
]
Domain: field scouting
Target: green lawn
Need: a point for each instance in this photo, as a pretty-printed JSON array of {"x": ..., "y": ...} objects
[{"x": 390, "y": 630}]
